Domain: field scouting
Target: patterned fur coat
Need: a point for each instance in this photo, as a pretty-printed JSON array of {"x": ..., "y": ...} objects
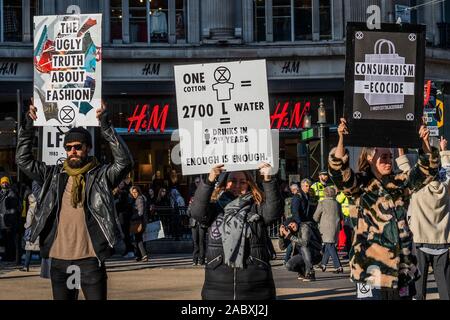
[{"x": 382, "y": 242}]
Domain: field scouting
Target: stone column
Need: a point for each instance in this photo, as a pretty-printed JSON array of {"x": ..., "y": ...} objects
[
  {"x": 338, "y": 19},
  {"x": 247, "y": 23},
  {"x": 193, "y": 29},
  {"x": 218, "y": 19},
  {"x": 26, "y": 23}
]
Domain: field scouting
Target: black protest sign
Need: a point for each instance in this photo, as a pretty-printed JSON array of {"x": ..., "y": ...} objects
[{"x": 384, "y": 79}]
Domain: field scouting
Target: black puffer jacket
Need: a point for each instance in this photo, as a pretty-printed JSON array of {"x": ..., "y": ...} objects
[
  {"x": 254, "y": 281},
  {"x": 101, "y": 218}
]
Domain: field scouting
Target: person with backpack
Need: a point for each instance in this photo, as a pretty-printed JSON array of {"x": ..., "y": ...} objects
[
  {"x": 307, "y": 245},
  {"x": 138, "y": 222}
]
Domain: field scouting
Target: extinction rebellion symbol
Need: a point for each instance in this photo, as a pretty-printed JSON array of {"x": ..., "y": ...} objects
[{"x": 67, "y": 114}]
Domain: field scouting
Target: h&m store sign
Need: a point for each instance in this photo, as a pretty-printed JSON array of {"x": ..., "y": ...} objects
[{"x": 286, "y": 113}]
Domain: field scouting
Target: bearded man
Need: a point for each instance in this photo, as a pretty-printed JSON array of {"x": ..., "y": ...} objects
[{"x": 75, "y": 219}]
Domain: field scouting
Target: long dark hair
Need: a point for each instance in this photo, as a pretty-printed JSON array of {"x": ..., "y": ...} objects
[
  {"x": 258, "y": 195},
  {"x": 363, "y": 163}
]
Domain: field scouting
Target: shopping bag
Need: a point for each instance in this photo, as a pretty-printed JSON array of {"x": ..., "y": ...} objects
[
  {"x": 153, "y": 231},
  {"x": 379, "y": 57}
]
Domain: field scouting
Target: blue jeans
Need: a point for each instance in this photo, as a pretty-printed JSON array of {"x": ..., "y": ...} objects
[
  {"x": 288, "y": 254},
  {"x": 330, "y": 250}
]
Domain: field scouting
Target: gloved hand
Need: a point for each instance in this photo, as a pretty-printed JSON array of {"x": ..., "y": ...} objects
[{"x": 103, "y": 117}]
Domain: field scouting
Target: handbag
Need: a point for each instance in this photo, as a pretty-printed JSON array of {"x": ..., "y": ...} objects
[{"x": 136, "y": 227}]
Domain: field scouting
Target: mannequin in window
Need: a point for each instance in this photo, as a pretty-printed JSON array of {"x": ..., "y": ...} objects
[
  {"x": 11, "y": 23},
  {"x": 179, "y": 22},
  {"x": 159, "y": 24}
]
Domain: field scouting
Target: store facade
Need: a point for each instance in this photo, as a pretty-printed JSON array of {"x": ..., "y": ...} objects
[{"x": 301, "y": 41}]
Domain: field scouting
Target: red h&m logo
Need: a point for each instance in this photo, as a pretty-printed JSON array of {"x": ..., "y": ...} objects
[
  {"x": 294, "y": 120},
  {"x": 155, "y": 121}
]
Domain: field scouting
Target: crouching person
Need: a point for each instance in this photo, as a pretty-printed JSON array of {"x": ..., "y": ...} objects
[{"x": 307, "y": 245}]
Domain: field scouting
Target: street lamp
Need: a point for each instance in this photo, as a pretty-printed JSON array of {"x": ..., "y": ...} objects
[
  {"x": 307, "y": 121},
  {"x": 321, "y": 121}
]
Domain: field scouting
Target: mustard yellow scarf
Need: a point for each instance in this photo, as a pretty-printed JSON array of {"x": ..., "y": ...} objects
[{"x": 79, "y": 183}]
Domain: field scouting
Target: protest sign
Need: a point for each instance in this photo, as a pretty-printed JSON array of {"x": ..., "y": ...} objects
[
  {"x": 67, "y": 69},
  {"x": 53, "y": 144},
  {"x": 223, "y": 116},
  {"x": 384, "y": 84}
]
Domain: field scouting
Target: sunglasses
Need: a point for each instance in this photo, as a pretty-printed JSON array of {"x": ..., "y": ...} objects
[{"x": 77, "y": 147}]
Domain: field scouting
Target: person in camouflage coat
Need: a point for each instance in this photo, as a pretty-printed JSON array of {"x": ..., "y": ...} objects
[{"x": 381, "y": 248}]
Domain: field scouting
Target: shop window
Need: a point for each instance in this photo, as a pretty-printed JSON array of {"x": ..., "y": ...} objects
[
  {"x": 138, "y": 21},
  {"x": 282, "y": 20},
  {"x": 12, "y": 15},
  {"x": 293, "y": 19},
  {"x": 116, "y": 20},
  {"x": 180, "y": 19},
  {"x": 303, "y": 19},
  {"x": 259, "y": 7},
  {"x": 159, "y": 13},
  {"x": 325, "y": 19},
  {"x": 12, "y": 20}
]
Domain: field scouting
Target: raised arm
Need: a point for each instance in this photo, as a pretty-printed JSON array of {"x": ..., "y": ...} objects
[
  {"x": 338, "y": 165},
  {"x": 427, "y": 167},
  {"x": 201, "y": 207},
  {"x": 123, "y": 162},
  {"x": 272, "y": 207}
]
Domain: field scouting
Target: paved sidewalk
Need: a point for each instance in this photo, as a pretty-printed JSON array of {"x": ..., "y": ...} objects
[{"x": 172, "y": 277}]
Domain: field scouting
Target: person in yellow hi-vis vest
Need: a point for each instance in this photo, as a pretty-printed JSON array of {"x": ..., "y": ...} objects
[
  {"x": 347, "y": 227},
  {"x": 318, "y": 187}
]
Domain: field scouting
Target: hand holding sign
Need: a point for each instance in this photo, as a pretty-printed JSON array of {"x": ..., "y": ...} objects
[
  {"x": 266, "y": 170},
  {"x": 103, "y": 116},
  {"x": 424, "y": 134},
  {"x": 443, "y": 144},
  {"x": 215, "y": 172},
  {"x": 342, "y": 130},
  {"x": 32, "y": 113}
]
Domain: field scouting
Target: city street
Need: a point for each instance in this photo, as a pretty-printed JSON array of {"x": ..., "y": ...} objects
[{"x": 172, "y": 277}]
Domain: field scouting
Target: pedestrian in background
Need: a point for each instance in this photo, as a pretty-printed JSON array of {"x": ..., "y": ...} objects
[
  {"x": 329, "y": 216},
  {"x": 138, "y": 222}
]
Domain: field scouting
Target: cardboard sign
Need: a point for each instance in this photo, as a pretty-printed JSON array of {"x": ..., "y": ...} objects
[
  {"x": 67, "y": 69},
  {"x": 384, "y": 84},
  {"x": 223, "y": 116},
  {"x": 153, "y": 231},
  {"x": 53, "y": 145}
]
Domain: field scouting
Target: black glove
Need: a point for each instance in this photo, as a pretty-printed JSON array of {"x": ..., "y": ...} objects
[
  {"x": 27, "y": 122},
  {"x": 105, "y": 121}
]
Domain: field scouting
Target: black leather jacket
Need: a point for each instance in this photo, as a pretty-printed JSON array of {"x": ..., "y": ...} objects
[{"x": 101, "y": 218}]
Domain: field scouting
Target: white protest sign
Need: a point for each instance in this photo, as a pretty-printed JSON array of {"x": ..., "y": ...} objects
[
  {"x": 67, "y": 69},
  {"x": 153, "y": 231},
  {"x": 223, "y": 116},
  {"x": 53, "y": 144}
]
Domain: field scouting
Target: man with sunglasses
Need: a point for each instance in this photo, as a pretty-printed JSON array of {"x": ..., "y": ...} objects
[{"x": 76, "y": 220}]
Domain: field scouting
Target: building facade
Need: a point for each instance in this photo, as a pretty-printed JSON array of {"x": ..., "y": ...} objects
[{"x": 303, "y": 42}]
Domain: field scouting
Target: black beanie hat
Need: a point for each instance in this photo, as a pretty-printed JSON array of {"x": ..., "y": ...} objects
[{"x": 78, "y": 134}]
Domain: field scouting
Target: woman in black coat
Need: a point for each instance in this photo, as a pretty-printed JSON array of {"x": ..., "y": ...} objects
[{"x": 238, "y": 253}]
